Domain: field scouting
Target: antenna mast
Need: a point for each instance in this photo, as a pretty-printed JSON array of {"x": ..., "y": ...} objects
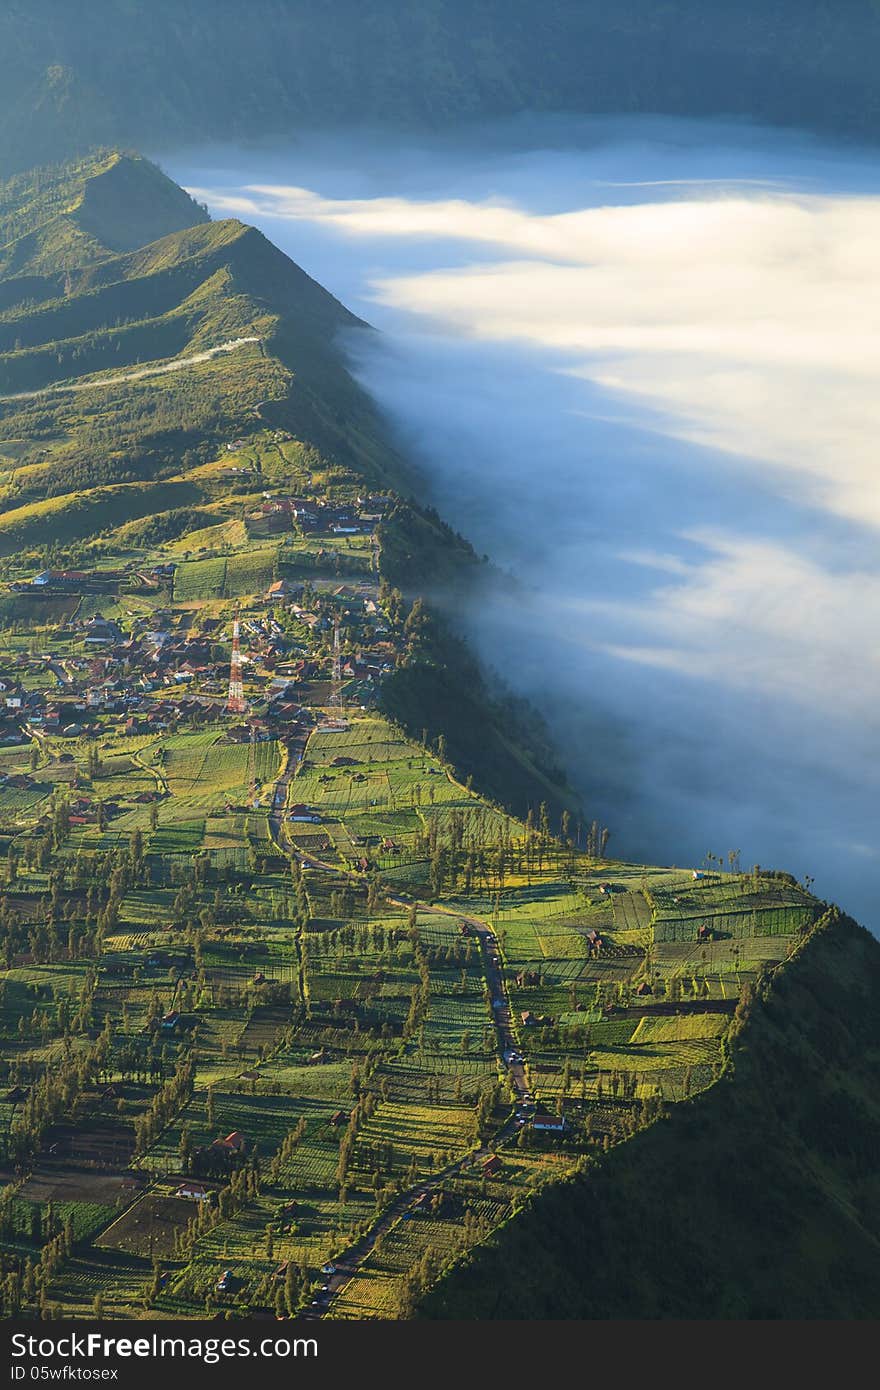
[
  {"x": 337, "y": 667},
  {"x": 235, "y": 702}
]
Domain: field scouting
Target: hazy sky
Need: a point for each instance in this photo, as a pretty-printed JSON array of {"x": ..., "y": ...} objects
[{"x": 638, "y": 362}]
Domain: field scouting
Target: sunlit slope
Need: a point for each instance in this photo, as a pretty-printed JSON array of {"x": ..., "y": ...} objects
[
  {"x": 59, "y": 218},
  {"x": 159, "y": 389},
  {"x": 189, "y": 290}
]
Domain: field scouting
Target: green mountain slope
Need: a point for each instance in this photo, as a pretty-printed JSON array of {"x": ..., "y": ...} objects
[
  {"x": 75, "y": 214},
  {"x": 162, "y": 73},
  {"x": 185, "y": 291},
  {"x": 71, "y": 305},
  {"x": 87, "y": 332},
  {"x": 758, "y": 1199},
  {"x": 128, "y": 366}
]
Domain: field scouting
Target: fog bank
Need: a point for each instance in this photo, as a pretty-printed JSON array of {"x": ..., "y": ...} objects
[{"x": 637, "y": 362}]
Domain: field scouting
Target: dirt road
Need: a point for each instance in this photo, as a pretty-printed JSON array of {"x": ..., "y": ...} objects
[
  {"x": 296, "y": 746},
  {"x": 118, "y": 378}
]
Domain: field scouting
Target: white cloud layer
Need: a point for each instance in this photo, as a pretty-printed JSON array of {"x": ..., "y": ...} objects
[
  {"x": 751, "y": 323},
  {"x": 654, "y": 395}
]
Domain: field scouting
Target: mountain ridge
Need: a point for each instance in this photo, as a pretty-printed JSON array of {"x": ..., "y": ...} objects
[
  {"x": 72, "y": 212},
  {"x": 157, "y": 76}
]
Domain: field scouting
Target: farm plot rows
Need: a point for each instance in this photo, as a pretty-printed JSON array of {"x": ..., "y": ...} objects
[
  {"x": 772, "y": 921},
  {"x": 428, "y": 1136},
  {"x": 351, "y": 1045},
  {"x": 248, "y": 571},
  {"x": 462, "y": 1212}
]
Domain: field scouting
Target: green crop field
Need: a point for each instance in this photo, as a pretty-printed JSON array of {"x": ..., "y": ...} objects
[
  {"x": 199, "y": 579},
  {"x": 250, "y": 571}
]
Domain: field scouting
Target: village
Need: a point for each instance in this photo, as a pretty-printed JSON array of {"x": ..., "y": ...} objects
[{"x": 115, "y": 667}]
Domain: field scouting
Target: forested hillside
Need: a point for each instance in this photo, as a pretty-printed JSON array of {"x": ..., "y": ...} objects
[
  {"x": 164, "y": 73},
  {"x": 758, "y": 1199},
  {"x": 78, "y": 213}
]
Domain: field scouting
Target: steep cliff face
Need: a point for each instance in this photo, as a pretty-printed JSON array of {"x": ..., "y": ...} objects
[
  {"x": 759, "y": 1199},
  {"x": 162, "y": 73}
]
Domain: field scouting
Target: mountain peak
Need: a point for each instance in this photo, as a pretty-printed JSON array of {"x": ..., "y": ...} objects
[
  {"x": 128, "y": 201},
  {"x": 80, "y": 212}
]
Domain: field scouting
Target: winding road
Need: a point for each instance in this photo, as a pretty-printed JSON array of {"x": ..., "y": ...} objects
[{"x": 348, "y": 1265}]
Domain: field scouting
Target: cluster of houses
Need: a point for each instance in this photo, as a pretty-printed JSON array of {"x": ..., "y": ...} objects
[
  {"x": 312, "y": 516},
  {"x": 95, "y": 581},
  {"x": 214, "y": 1160},
  {"x": 156, "y": 674},
  {"x": 533, "y": 1020},
  {"x": 150, "y": 671}
]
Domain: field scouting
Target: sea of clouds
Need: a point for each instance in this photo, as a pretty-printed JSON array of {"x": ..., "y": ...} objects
[{"x": 638, "y": 365}]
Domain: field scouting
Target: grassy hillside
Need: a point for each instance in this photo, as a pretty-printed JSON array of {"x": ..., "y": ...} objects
[
  {"x": 63, "y": 217},
  {"x": 152, "y": 74},
  {"x": 758, "y": 1199},
  {"x": 87, "y": 331},
  {"x": 107, "y": 264},
  {"x": 74, "y": 514}
]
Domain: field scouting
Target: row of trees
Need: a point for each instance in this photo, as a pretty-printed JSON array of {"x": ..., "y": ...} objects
[{"x": 168, "y": 1101}]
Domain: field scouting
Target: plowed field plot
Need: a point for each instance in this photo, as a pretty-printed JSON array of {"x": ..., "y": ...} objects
[
  {"x": 768, "y": 922},
  {"x": 631, "y": 911},
  {"x": 149, "y": 1227},
  {"x": 250, "y": 571},
  {"x": 312, "y": 843},
  {"x": 430, "y": 1134},
  {"x": 102, "y": 1142},
  {"x": 680, "y": 1028},
  {"x": 181, "y": 837},
  {"x": 16, "y": 800},
  {"x": 263, "y": 1028},
  {"x": 199, "y": 579},
  {"x": 56, "y": 1183}
]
